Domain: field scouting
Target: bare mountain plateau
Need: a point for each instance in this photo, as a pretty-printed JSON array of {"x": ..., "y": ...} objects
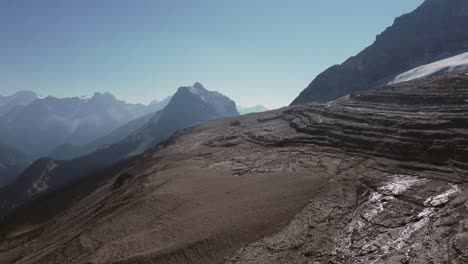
[{"x": 379, "y": 176}]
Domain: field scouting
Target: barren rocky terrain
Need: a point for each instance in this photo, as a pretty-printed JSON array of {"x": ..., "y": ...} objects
[{"x": 377, "y": 177}]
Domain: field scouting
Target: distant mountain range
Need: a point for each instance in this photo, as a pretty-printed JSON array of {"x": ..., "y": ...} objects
[
  {"x": 188, "y": 107},
  {"x": 37, "y": 126},
  {"x": 69, "y": 151},
  {"x": 253, "y": 109},
  {"x": 15, "y": 101},
  {"x": 434, "y": 31}
]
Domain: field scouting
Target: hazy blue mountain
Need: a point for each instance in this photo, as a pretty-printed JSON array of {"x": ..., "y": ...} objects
[
  {"x": 156, "y": 105},
  {"x": 434, "y": 31},
  {"x": 68, "y": 151},
  {"x": 12, "y": 162},
  {"x": 188, "y": 107},
  {"x": 39, "y": 127},
  {"x": 253, "y": 109},
  {"x": 15, "y": 101}
]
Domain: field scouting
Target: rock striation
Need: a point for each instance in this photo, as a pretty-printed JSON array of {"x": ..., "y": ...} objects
[
  {"x": 376, "y": 177},
  {"x": 397, "y": 179}
]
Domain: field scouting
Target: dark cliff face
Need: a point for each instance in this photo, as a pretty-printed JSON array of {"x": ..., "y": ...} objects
[
  {"x": 435, "y": 30},
  {"x": 379, "y": 177}
]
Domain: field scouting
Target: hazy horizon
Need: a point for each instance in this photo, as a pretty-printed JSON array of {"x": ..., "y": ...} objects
[{"x": 255, "y": 52}]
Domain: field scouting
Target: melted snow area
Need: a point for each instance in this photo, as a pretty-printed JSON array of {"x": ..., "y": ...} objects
[
  {"x": 452, "y": 64},
  {"x": 390, "y": 220}
]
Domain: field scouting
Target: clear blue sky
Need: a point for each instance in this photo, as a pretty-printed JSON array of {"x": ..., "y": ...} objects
[{"x": 254, "y": 51}]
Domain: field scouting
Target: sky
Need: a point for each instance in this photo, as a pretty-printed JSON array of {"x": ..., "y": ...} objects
[{"x": 254, "y": 51}]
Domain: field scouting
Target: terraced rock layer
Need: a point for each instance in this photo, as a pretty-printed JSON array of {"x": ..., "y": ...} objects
[
  {"x": 379, "y": 177},
  {"x": 397, "y": 188}
]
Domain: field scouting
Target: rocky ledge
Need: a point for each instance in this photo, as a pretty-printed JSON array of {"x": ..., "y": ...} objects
[{"x": 376, "y": 177}]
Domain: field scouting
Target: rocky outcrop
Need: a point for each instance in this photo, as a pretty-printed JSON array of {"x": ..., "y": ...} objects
[
  {"x": 377, "y": 177},
  {"x": 434, "y": 31}
]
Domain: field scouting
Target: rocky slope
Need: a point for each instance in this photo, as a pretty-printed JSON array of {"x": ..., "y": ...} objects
[
  {"x": 379, "y": 177},
  {"x": 434, "y": 31}
]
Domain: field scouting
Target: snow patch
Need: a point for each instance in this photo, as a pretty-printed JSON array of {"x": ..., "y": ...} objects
[
  {"x": 408, "y": 232},
  {"x": 426, "y": 212},
  {"x": 442, "y": 198},
  {"x": 452, "y": 64},
  {"x": 400, "y": 184}
]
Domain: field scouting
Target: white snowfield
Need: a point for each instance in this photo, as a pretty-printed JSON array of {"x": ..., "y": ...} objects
[{"x": 453, "y": 64}]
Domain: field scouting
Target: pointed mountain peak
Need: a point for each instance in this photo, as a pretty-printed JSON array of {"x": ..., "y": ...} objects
[
  {"x": 199, "y": 86},
  {"x": 103, "y": 96},
  {"x": 221, "y": 104},
  {"x": 197, "y": 89}
]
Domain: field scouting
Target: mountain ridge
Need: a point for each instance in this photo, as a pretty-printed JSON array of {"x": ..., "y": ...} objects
[
  {"x": 185, "y": 109},
  {"x": 434, "y": 31},
  {"x": 45, "y": 123}
]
